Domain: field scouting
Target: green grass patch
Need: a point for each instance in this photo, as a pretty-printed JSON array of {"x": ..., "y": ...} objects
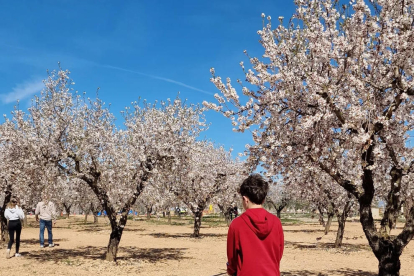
[
  {"x": 290, "y": 221},
  {"x": 165, "y": 222}
]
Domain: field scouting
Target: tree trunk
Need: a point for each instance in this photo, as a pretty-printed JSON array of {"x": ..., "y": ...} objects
[
  {"x": 386, "y": 249},
  {"x": 227, "y": 216},
  {"x": 393, "y": 207},
  {"x": 149, "y": 210},
  {"x": 117, "y": 227},
  {"x": 389, "y": 263},
  {"x": 328, "y": 223},
  {"x": 280, "y": 209},
  {"x": 25, "y": 223},
  {"x": 388, "y": 222},
  {"x": 197, "y": 223},
  {"x": 407, "y": 206},
  {"x": 113, "y": 244},
  {"x": 169, "y": 217},
  {"x": 321, "y": 220},
  {"x": 341, "y": 223},
  {"x": 3, "y": 221},
  {"x": 87, "y": 211},
  {"x": 67, "y": 209},
  {"x": 4, "y": 232},
  {"x": 95, "y": 212}
]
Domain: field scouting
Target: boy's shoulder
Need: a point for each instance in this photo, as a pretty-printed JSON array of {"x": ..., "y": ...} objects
[{"x": 237, "y": 222}]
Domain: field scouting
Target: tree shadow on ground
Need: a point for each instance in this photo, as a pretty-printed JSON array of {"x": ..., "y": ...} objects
[
  {"x": 105, "y": 228},
  {"x": 93, "y": 229},
  {"x": 344, "y": 272},
  {"x": 221, "y": 273},
  {"x": 348, "y": 247},
  {"x": 304, "y": 231},
  {"x": 82, "y": 223},
  {"x": 36, "y": 225},
  {"x": 37, "y": 241},
  {"x": 302, "y": 223},
  {"x": 151, "y": 255},
  {"x": 176, "y": 236},
  {"x": 133, "y": 229},
  {"x": 32, "y": 225},
  {"x": 67, "y": 226}
]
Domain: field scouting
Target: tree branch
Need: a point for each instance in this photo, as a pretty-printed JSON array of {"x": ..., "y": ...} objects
[{"x": 353, "y": 189}]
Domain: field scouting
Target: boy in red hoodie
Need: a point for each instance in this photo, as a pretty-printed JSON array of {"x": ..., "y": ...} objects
[{"x": 255, "y": 239}]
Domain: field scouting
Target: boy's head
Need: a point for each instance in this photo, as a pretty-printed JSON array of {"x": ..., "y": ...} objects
[{"x": 255, "y": 188}]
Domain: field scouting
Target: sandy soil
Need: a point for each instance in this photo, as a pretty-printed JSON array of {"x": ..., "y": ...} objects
[{"x": 154, "y": 248}]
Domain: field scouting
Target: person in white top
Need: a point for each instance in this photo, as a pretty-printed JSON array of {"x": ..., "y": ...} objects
[{"x": 14, "y": 215}]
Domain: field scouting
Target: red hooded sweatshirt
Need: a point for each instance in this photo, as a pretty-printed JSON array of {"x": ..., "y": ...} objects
[{"x": 255, "y": 244}]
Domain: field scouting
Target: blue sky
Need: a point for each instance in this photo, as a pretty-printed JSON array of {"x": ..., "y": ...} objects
[{"x": 131, "y": 49}]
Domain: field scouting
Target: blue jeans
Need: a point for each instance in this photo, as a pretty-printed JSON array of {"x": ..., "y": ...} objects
[{"x": 48, "y": 225}]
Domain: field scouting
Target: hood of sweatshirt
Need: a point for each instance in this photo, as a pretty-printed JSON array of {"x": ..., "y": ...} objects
[
  {"x": 12, "y": 210},
  {"x": 259, "y": 221}
]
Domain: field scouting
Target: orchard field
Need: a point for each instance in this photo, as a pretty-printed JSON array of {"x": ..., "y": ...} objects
[
  {"x": 327, "y": 107},
  {"x": 153, "y": 247}
]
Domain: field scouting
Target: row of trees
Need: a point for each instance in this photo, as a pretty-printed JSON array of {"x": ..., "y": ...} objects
[
  {"x": 330, "y": 106},
  {"x": 313, "y": 195},
  {"x": 69, "y": 146},
  {"x": 332, "y": 98}
]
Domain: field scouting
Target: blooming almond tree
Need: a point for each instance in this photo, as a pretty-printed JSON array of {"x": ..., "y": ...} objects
[
  {"x": 149, "y": 198},
  {"x": 157, "y": 196},
  {"x": 6, "y": 173},
  {"x": 334, "y": 92},
  {"x": 18, "y": 172},
  {"x": 79, "y": 137},
  {"x": 201, "y": 175},
  {"x": 278, "y": 196},
  {"x": 67, "y": 194},
  {"x": 229, "y": 198},
  {"x": 324, "y": 193},
  {"x": 87, "y": 201}
]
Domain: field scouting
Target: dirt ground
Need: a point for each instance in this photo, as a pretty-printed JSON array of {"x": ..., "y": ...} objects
[{"x": 155, "y": 248}]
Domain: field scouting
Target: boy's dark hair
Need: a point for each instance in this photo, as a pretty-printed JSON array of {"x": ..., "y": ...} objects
[{"x": 255, "y": 188}]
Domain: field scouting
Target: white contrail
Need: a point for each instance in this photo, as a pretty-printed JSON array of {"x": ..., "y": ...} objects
[
  {"x": 22, "y": 91},
  {"x": 157, "y": 77}
]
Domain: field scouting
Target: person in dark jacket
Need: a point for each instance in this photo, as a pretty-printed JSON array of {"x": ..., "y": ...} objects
[{"x": 255, "y": 239}]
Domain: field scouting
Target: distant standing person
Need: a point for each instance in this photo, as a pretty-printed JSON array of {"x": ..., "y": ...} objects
[
  {"x": 14, "y": 215},
  {"x": 255, "y": 239},
  {"x": 46, "y": 211}
]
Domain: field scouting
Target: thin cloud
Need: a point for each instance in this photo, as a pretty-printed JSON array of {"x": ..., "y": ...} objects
[
  {"x": 22, "y": 91},
  {"x": 158, "y": 78}
]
